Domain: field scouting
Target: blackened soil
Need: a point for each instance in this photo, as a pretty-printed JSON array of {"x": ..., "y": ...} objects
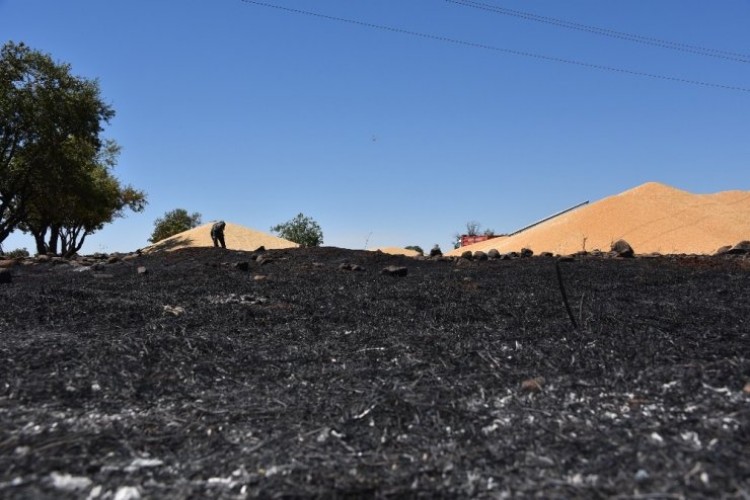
[{"x": 292, "y": 377}]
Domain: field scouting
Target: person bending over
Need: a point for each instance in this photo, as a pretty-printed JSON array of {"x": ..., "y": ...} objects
[{"x": 217, "y": 234}]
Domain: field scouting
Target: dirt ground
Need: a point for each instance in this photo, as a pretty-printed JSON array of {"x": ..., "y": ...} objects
[{"x": 210, "y": 373}]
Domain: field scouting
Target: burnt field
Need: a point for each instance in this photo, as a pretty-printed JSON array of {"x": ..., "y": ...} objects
[{"x": 310, "y": 373}]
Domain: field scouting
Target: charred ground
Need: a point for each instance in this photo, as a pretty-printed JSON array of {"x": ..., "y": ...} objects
[{"x": 227, "y": 374}]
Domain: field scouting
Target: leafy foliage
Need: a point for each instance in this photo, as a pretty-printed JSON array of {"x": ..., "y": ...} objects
[
  {"x": 16, "y": 254},
  {"x": 55, "y": 170},
  {"x": 301, "y": 230},
  {"x": 174, "y": 222}
]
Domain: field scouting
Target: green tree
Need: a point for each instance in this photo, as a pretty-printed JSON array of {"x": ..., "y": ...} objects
[
  {"x": 174, "y": 222},
  {"x": 69, "y": 208},
  {"x": 301, "y": 230},
  {"x": 53, "y": 163}
]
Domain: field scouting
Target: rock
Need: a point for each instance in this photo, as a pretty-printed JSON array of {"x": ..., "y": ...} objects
[
  {"x": 723, "y": 250},
  {"x": 7, "y": 263},
  {"x": 622, "y": 248},
  {"x": 395, "y": 271},
  {"x": 741, "y": 248},
  {"x": 566, "y": 258},
  {"x": 526, "y": 252},
  {"x": 350, "y": 267},
  {"x": 533, "y": 384},
  {"x": 467, "y": 255},
  {"x": 262, "y": 261},
  {"x": 5, "y": 276},
  {"x": 113, "y": 259},
  {"x": 174, "y": 310},
  {"x": 127, "y": 493},
  {"x": 479, "y": 255},
  {"x": 493, "y": 254},
  {"x": 746, "y": 389},
  {"x": 68, "y": 483},
  {"x": 546, "y": 254},
  {"x": 260, "y": 277},
  {"x": 141, "y": 270}
]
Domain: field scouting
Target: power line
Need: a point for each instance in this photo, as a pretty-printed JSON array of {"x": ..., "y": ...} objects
[
  {"x": 657, "y": 42},
  {"x": 498, "y": 49}
]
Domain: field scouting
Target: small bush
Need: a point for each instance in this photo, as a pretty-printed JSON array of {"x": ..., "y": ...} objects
[{"x": 18, "y": 253}]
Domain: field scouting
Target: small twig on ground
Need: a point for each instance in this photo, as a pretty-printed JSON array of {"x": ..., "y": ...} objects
[{"x": 564, "y": 295}]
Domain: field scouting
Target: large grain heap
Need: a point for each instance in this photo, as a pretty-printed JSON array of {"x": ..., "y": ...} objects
[
  {"x": 653, "y": 218},
  {"x": 237, "y": 238}
]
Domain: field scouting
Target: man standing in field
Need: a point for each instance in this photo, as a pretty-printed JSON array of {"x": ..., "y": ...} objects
[{"x": 217, "y": 234}]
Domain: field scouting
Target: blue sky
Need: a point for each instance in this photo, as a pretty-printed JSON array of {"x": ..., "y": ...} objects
[{"x": 253, "y": 114}]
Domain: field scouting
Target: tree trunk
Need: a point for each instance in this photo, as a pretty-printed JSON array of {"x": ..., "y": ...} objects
[{"x": 54, "y": 237}]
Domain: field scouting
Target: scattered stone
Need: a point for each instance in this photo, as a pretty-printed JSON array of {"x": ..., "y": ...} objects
[
  {"x": 641, "y": 476},
  {"x": 143, "y": 463},
  {"x": 142, "y": 270},
  {"x": 746, "y": 389},
  {"x": 546, "y": 254},
  {"x": 318, "y": 264},
  {"x": 260, "y": 277},
  {"x": 113, "y": 259},
  {"x": 66, "y": 482},
  {"x": 395, "y": 271},
  {"x": 262, "y": 261},
  {"x": 127, "y": 493},
  {"x": 533, "y": 384},
  {"x": 5, "y": 276},
  {"x": 350, "y": 267},
  {"x": 479, "y": 255},
  {"x": 42, "y": 259},
  {"x": 233, "y": 298},
  {"x": 493, "y": 254},
  {"x": 174, "y": 310},
  {"x": 260, "y": 249},
  {"x": 7, "y": 263},
  {"x": 741, "y": 248},
  {"x": 467, "y": 255},
  {"x": 526, "y": 252},
  {"x": 622, "y": 249},
  {"x": 242, "y": 266},
  {"x": 566, "y": 258},
  {"x": 723, "y": 250}
]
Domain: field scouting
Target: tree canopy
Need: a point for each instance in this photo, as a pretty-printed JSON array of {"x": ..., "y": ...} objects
[
  {"x": 301, "y": 230},
  {"x": 55, "y": 168},
  {"x": 174, "y": 222}
]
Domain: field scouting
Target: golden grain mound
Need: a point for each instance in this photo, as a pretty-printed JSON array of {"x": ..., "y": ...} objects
[
  {"x": 236, "y": 237},
  {"x": 653, "y": 218}
]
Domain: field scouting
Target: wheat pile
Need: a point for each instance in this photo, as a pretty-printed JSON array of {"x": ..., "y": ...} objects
[
  {"x": 235, "y": 236},
  {"x": 653, "y": 218}
]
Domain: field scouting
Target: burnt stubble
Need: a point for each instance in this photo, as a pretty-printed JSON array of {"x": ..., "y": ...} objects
[{"x": 223, "y": 374}]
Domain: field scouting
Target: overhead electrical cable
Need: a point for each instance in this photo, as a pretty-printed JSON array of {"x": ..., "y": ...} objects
[
  {"x": 682, "y": 47},
  {"x": 499, "y": 49}
]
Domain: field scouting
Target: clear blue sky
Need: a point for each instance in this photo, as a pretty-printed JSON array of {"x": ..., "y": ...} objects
[{"x": 253, "y": 114}]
